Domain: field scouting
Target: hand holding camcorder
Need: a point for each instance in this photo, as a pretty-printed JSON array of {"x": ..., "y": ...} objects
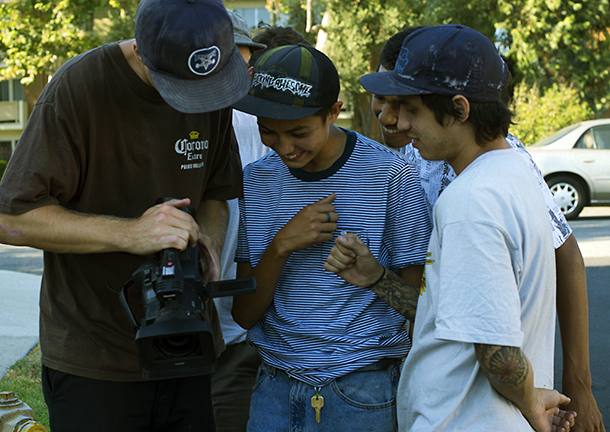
[{"x": 175, "y": 339}]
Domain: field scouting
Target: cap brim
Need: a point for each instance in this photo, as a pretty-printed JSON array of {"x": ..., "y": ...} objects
[
  {"x": 388, "y": 84},
  {"x": 273, "y": 110},
  {"x": 208, "y": 93},
  {"x": 239, "y": 40}
]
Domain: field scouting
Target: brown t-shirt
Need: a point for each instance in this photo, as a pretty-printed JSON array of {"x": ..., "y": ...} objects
[{"x": 101, "y": 141}]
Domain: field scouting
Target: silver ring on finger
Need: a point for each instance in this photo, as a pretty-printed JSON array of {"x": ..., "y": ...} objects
[{"x": 327, "y": 217}]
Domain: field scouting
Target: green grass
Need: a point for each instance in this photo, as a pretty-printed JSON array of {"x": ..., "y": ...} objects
[{"x": 23, "y": 379}]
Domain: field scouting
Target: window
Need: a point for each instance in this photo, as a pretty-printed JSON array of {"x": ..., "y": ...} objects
[
  {"x": 254, "y": 16},
  {"x": 602, "y": 137},
  {"x": 586, "y": 141},
  {"x": 11, "y": 90},
  {"x": 595, "y": 138},
  {"x": 6, "y": 149}
]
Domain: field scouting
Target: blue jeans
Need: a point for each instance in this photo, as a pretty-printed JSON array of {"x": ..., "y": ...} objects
[{"x": 359, "y": 401}]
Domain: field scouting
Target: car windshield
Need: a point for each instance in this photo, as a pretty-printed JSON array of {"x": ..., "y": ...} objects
[{"x": 554, "y": 137}]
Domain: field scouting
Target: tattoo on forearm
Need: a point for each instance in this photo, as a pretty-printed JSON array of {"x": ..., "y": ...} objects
[
  {"x": 505, "y": 366},
  {"x": 398, "y": 293}
]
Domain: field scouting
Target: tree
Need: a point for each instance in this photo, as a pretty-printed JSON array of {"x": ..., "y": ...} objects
[
  {"x": 356, "y": 31},
  {"x": 560, "y": 41},
  {"x": 37, "y": 36},
  {"x": 304, "y": 16},
  {"x": 539, "y": 113},
  {"x": 481, "y": 15}
]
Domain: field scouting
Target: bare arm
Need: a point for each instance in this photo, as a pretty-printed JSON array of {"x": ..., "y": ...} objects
[
  {"x": 573, "y": 316},
  {"x": 213, "y": 219},
  {"x": 509, "y": 372},
  {"x": 56, "y": 229},
  {"x": 352, "y": 260},
  {"x": 308, "y": 227}
]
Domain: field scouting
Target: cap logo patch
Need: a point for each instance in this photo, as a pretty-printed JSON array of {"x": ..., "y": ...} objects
[
  {"x": 403, "y": 61},
  {"x": 204, "y": 61},
  {"x": 296, "y": 87}
]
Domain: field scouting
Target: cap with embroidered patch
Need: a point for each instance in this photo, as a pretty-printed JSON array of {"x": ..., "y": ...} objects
[
  {"x": 188, "y": 47},
  {"x": 242, "y": 33},
  {"x": 447, "y": 60},
  {"x": 291, "y": 82}
]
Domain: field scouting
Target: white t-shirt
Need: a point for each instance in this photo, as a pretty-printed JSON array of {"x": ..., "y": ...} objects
[
  {"x": 435, "y": 176},
  {"x": 489, "y": 279},
  {"x": 250, "y": 149}
]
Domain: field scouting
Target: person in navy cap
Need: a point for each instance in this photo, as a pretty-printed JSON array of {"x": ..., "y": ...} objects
[
  {"x": 571, "y": 286},
  {"x": 117, "y": 128},
  {"x": 483, "y": 343}
]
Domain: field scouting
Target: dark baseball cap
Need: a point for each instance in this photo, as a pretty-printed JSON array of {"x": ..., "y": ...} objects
[
  {"x": 446, "y": 60},
  {"x": 188, "y": 47},
  {"x": 291, "y": 82},
  {"x": 242, "y": 33}
]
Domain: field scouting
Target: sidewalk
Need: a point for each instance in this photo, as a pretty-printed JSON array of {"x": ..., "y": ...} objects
[{"x": 19, "y": 293}]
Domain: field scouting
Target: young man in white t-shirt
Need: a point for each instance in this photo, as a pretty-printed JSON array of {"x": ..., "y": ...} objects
[
  {"x": 482, "y": 356},
  {"x": 571, "y": 284}
]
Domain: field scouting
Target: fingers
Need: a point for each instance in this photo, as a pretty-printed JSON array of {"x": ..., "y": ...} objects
[
  {"x": 350, "y": 243},
  {"x": 563, "y": 421},
  {"x": 327, "y": 199},
  {"x": 163, "y": 226},
  {"x": 180, "y": 222},
  {"x": 326, "y": 210},
  {"x": 563, "y": 400},
  {"x": 178, "y": 203},
  {"x": 329, "y": 217},
  {"x": 339, "y": 259}
]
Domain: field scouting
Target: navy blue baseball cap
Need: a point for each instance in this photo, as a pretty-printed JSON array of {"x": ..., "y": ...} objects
[
  {"x": 188, "y": 47},
  {"x": 446, "y": 60},
  {"x": 291, "y": 82}
]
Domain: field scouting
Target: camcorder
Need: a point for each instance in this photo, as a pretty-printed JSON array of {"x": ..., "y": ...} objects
[{"x": 175, "y": 339}]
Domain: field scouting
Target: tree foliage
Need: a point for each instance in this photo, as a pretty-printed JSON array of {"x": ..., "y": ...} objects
[
  {"x": 37, "y": 36},
  {"x": 563, "y": 42},
  {"x": 540, "y": 112},
  {"x": 356, "y": 31}
]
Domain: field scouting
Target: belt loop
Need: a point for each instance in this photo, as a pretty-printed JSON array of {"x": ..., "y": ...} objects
[{"x": 272, "y": 371}]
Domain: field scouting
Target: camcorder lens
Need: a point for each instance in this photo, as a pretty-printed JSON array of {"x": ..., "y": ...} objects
[{"x": 177, "y": 346}]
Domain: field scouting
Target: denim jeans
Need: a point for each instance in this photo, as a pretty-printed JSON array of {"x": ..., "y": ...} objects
[{"x": 359, "y": 401}]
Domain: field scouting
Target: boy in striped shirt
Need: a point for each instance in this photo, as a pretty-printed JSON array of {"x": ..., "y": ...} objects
[{"x": 331, "y": 350}]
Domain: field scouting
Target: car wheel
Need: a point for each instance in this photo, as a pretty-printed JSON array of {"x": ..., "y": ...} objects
[{"x": 569, "y": 194}]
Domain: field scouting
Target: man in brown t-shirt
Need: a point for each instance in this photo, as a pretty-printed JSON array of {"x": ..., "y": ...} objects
[{"x": 117, "y": 128}]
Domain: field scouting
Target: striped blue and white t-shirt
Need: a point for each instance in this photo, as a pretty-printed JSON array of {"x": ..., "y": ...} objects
[{"x": 319, "y": 327}]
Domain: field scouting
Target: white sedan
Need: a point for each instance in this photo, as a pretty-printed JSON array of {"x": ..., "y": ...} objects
[{"x": 575, "y": 162}]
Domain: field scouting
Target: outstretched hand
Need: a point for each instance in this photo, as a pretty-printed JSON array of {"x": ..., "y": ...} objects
[
  {"x": 546, "y": 415},
  {"x": 353, "y": 261}
]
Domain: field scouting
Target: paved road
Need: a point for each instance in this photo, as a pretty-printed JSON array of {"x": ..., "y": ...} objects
[
  {"x": 21, "y": 259},
  {"x": 592, "y": 230}
]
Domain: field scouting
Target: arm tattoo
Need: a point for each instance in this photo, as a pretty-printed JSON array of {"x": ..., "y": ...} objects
[
  {"x": 398, "y": 293},
  {"x": 504, "y": 366}
]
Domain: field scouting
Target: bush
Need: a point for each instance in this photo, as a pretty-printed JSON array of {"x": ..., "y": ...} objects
[{"x": 539, "y": 113}]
